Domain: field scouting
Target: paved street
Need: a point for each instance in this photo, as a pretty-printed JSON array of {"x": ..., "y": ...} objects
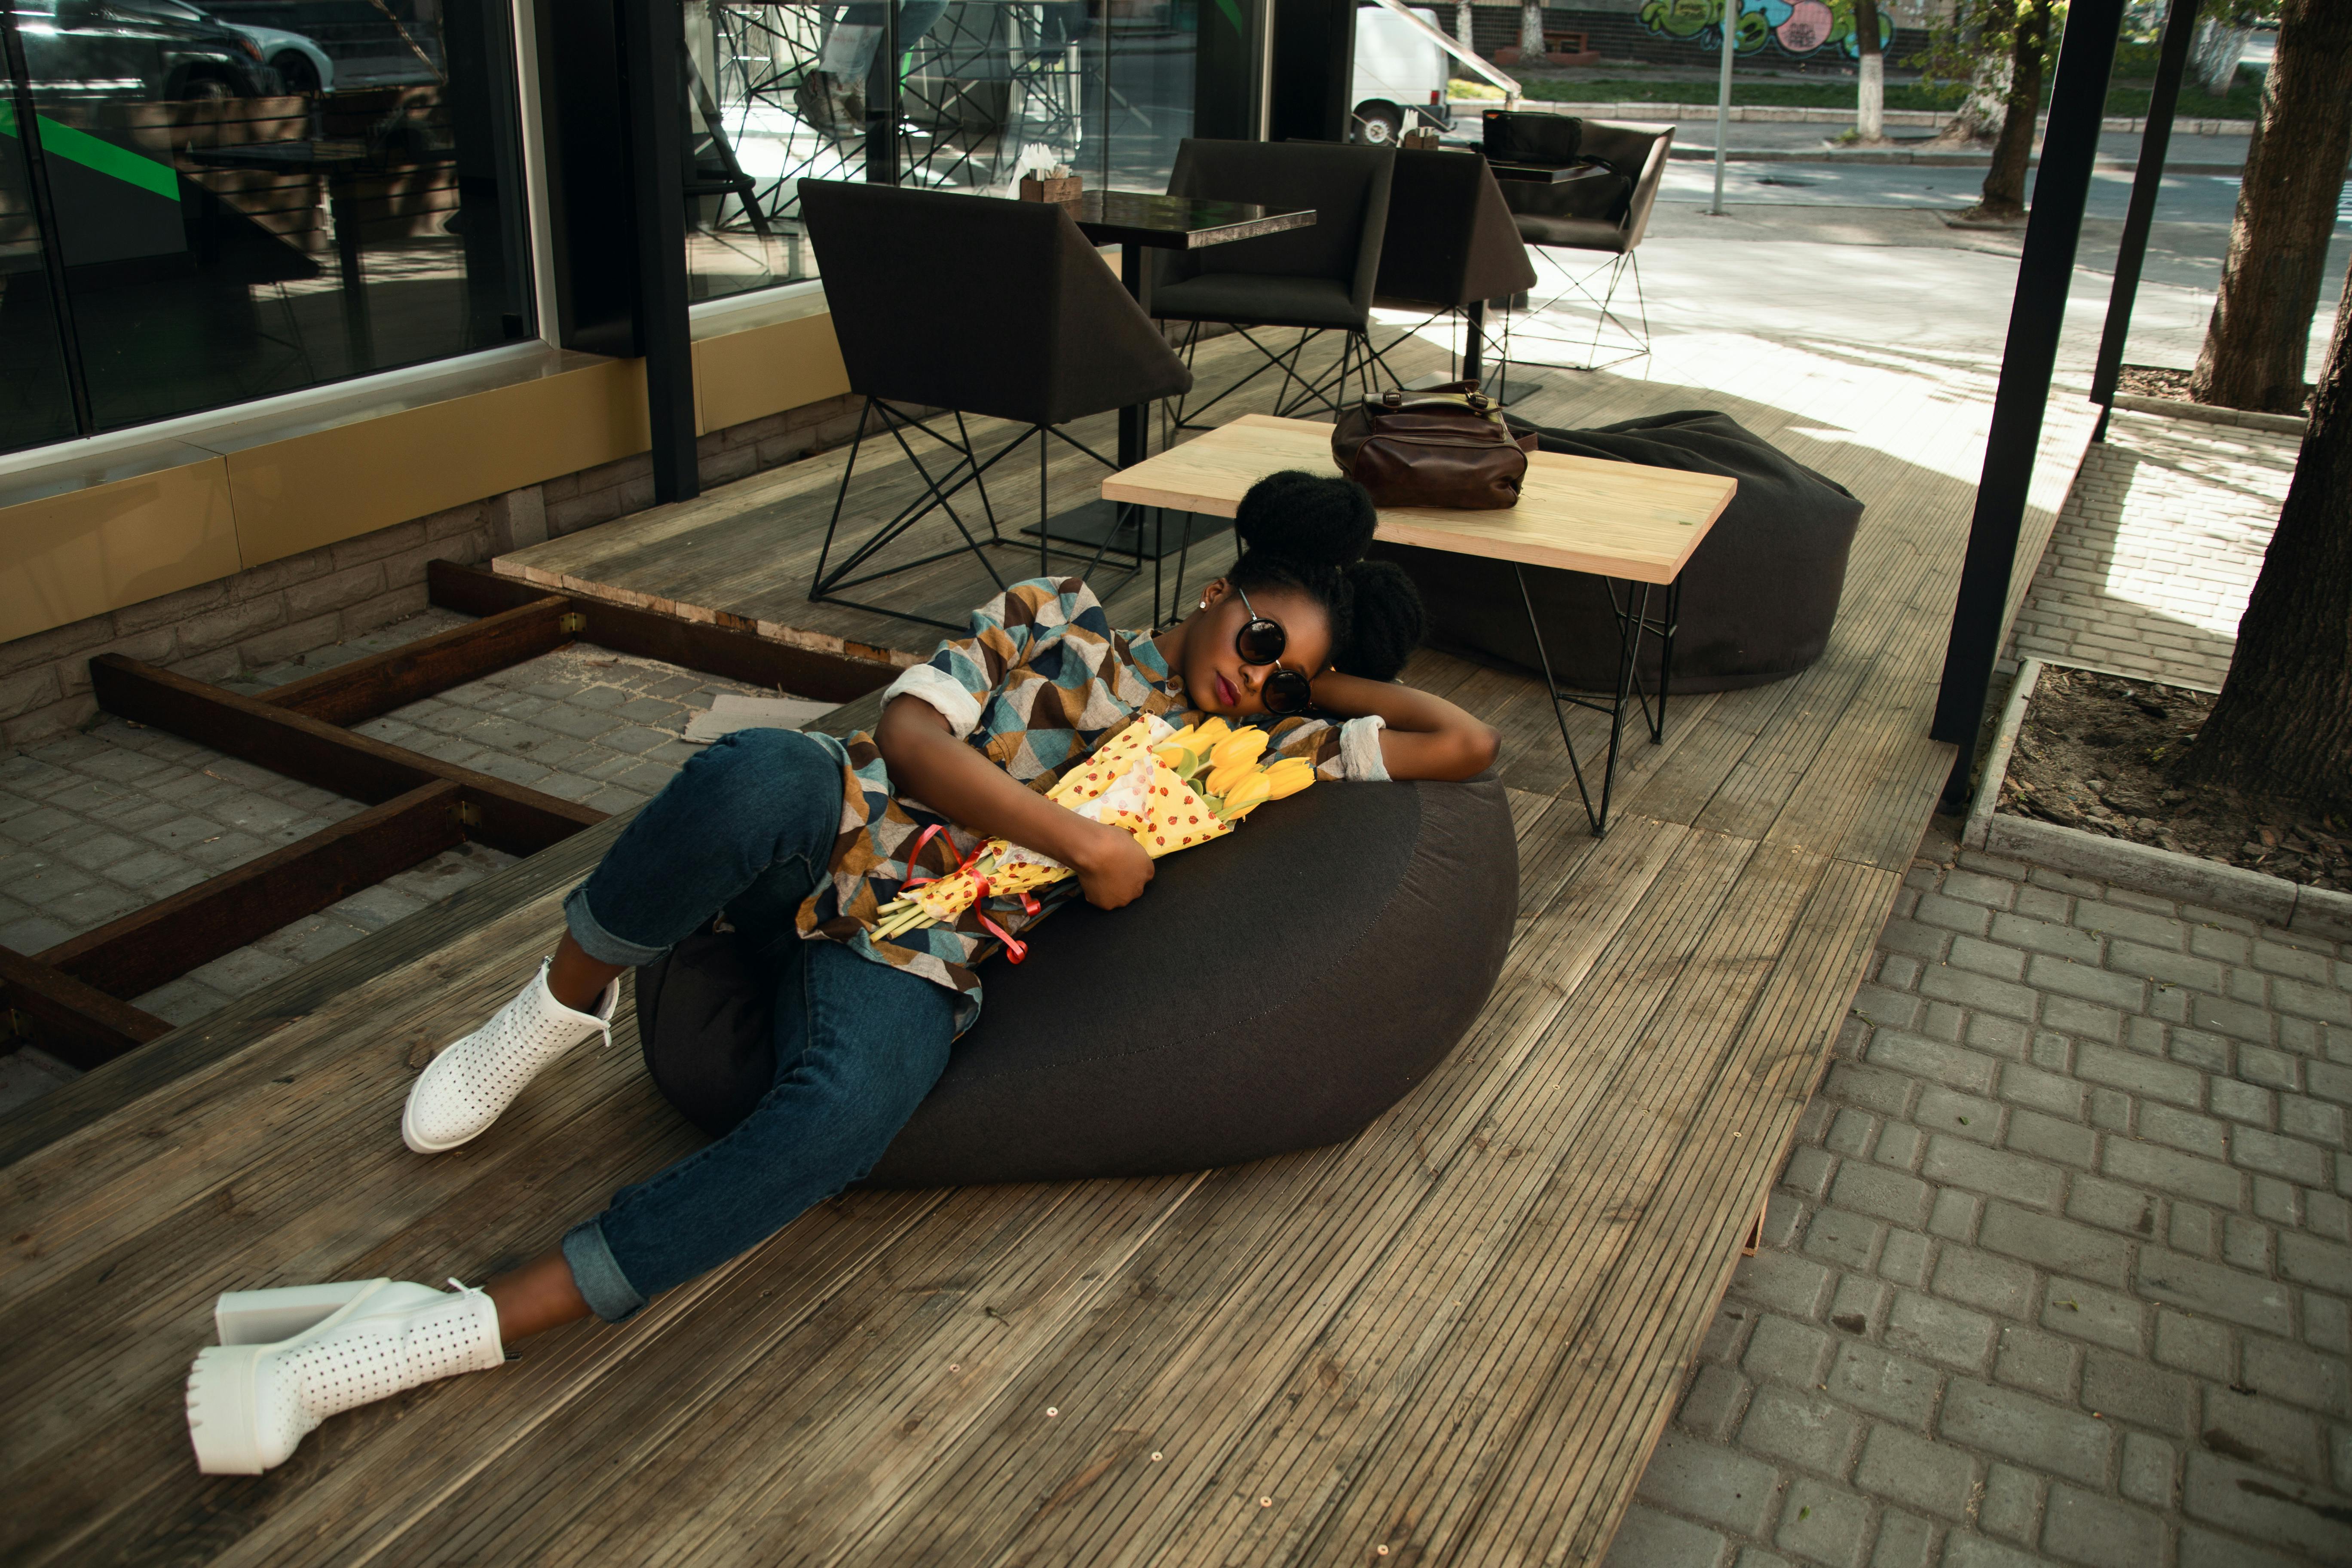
[{"x": 2057, "y": 1270}]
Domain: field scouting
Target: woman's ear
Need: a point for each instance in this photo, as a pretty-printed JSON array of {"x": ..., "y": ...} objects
[{"x": 1215, "y": 594}]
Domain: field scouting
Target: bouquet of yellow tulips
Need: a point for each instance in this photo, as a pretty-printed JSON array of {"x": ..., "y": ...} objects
[{"x": 1171, "y": 788}]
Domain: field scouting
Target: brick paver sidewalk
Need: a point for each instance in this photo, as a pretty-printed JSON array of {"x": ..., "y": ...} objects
[
  {"x": 2057, "y": 1271},
  {"x": 2149, "y": 568}
]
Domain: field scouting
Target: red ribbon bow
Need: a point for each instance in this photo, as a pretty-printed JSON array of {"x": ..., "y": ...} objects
[{"x": 1015, "y": 950}]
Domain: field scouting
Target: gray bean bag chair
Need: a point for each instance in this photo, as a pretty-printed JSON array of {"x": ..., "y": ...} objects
[
  {"x": 1275, "y": 990},
  {"x": 1759, "y": 595}
]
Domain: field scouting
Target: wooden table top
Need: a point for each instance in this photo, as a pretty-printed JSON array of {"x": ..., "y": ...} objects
[{"x": 1584, "y": 514}]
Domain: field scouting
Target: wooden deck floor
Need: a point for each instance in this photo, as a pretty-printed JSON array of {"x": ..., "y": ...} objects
[{"x": 1456, "y": 1337}]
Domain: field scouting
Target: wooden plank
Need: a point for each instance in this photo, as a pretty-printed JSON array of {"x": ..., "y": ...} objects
[
  {"x": 150, "y": 947},
  {"x": 507, "y": 816},
  {"x": 354, "y": 692},
  {"x": 732, "y": 651},
  {"x": 73, "y": 1020}
]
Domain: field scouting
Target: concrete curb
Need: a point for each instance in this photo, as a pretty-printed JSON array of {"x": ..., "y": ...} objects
[
  {"x": 1793, "y": 115},
  {"x": 2206, "y": 413},
  {"x": 1885, "y": 155},
  {"x": 2273, "y": 900}
]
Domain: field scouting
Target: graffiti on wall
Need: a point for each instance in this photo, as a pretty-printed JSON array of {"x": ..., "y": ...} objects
[{"x": 1796, "y": 27}]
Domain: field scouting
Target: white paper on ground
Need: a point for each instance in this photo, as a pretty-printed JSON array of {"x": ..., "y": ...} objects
[{"x": 730, "y": 712}]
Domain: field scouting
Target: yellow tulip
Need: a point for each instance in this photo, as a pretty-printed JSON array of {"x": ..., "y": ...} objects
[
  {"x": 1288, "y": 776},
  {"x": 1250, "y": 793},
  {"x": 1181, "y": 736},
  {"x": 1206, "y": 736},
  {"x": 1225, "y": 781},
  {"x": 1241, "y": 746}
]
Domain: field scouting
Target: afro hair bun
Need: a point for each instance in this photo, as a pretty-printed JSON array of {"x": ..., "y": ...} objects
[{"x": 1315, "y": 519}]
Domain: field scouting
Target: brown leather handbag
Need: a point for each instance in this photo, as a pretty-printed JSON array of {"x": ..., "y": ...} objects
[{"x": 1447, "y": 447}]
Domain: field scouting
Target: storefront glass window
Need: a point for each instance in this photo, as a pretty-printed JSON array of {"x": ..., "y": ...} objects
[
  {"x": 36, "y": 404},
  {"x": 987, "y": 91},
  {"x": 253, "y": 197}
]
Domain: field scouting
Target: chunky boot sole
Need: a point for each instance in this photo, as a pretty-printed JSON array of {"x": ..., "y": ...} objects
[
  {"x": 224, "y": 1414},
  {"x": 420, "y": 1144},
  {"x": 265, "y": 1317}
]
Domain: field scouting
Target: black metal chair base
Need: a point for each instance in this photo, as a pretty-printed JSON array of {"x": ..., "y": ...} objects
[
  {"x": 1326, "y": 393},
  {"x": 1632, "y": 622},
  {"x": 965, "y": 469},
  {"x": 1596, "y": 290}
]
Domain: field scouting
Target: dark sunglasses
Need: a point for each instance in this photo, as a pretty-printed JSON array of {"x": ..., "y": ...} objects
[{"x": 1261, "y": 641}]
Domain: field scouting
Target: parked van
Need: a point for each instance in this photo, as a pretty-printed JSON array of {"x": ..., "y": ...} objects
[{"x": 1401, "y": 75}]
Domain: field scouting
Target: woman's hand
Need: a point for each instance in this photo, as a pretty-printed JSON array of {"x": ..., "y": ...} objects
[
  {"x": 1112, "y": 868},
  {"x": 927, "y": 762}
]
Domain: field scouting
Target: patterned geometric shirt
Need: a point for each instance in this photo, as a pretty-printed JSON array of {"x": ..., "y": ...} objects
[{"x": 1041, "y": 682}]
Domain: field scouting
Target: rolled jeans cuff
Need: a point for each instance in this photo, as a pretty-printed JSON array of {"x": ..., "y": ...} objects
[
  {"x": 596, "y": 942},
  {"x": 597, "y": 1276}
]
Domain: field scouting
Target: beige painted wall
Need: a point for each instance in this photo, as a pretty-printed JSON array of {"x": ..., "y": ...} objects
[{"x": 99, "y": 544}]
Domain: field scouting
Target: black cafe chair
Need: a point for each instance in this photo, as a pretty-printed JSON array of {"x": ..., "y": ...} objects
[
  {"x": 1316, "y": 279},
  {"x": 951, "y": 305},
  {"x": 1603, "y": 212},
  {"x": 1451, "y": 244}
]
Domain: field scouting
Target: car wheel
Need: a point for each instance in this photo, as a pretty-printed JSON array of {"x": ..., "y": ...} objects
[
  {"x": 206, "y": 90},
  {"x": 296, "y": 72},
  {"x": 1377, "y": 123}
]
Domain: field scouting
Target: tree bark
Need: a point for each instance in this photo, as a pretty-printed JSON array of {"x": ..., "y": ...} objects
[
  {"x": 2260, "y": 332},
  {"x": 1462, "y": 32},
  {"x": 2282, "y": 724},
  {"x": 2214, "y": 58},
  {"x": 2004, "y": 187},
  {"x": 1531, "y": 40},
  {"x": 1870, "y": 87}
]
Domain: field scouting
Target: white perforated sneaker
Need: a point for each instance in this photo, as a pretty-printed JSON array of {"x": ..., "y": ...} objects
[
  {"x": 250, "y": 1404},
  {"x": 458, "y": 1096}
]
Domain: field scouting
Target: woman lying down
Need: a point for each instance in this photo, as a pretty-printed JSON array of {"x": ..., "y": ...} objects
[{"x": 798, "y": 840}]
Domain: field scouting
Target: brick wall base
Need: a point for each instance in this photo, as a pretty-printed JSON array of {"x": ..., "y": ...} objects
[{"x": 322, "y": 597}]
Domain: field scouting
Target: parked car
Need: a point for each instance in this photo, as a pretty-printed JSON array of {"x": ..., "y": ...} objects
[
  {"x": 147, "y": 49},
  {"x": 1400, "y": 72},
  {"x": 302, "y": 67}
]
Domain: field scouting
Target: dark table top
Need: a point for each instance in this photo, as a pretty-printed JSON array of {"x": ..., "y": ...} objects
[
  {"x": 1176, "y": 223},
  {"x": 308, "y": 157}
]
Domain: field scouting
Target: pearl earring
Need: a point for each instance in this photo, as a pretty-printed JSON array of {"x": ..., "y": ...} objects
[{"x": 1204, "y": 603}]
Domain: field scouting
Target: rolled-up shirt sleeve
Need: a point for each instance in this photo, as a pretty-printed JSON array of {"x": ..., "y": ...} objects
[
  {"x": 1350, "y": 749},
  {"x": 965, "y": 671}
]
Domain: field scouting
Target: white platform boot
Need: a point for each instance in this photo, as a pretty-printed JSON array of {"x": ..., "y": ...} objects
[
  {"x": 249, "y": 1405},
  {"x": 457, "y": 1098}
]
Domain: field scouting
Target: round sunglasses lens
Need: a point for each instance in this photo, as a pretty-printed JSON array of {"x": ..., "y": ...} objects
[
  {"x": 1260, "y": 642},
  {"x": 1287, "y": 691}
]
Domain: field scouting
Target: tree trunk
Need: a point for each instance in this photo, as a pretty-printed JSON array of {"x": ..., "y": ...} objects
[
  {"x": 2213, "y": 56},
  {"x": 1978, "y": 117},
  {"x": 2004, "y": 187},
  {"x": 1531, "y": 48},
  {"x": 1462, "y": 32},
  {"x": 1870, "y": 89},
  {"x": 2282, "y": 724},
  {"x": 2260, "y": 332}
]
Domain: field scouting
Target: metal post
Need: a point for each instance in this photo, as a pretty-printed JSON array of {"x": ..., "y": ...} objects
[
  {"x": 2156, "y": 140},
  {"x": 1731, "y": 10},
  {"x": 2036, "y": 315},
  {"x": 653, "y": 69}
]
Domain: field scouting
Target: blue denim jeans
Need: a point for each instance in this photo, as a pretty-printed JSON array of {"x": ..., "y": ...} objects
[{"x": 748, "y": 827}]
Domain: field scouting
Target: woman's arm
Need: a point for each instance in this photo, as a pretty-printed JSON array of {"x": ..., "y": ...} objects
[
  {"x": 1424, "y": 737},
  {"x": 926, "y": 761}
]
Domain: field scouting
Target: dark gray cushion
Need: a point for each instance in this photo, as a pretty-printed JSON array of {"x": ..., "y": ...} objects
[
  {"x": 1275, "y": 990},
  {"x": 1760, "y": 593}
]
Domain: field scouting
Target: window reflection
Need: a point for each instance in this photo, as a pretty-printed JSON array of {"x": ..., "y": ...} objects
[
  {"x": 987, "y": 90},
  {"x": 253, "y": 197}
]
